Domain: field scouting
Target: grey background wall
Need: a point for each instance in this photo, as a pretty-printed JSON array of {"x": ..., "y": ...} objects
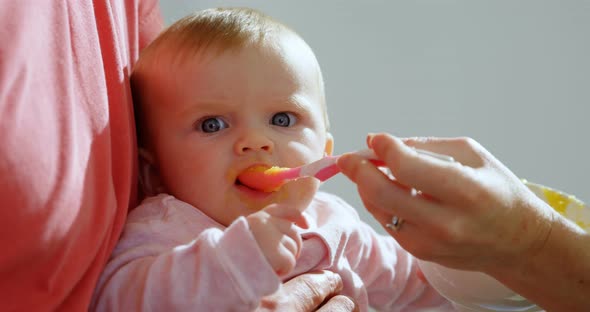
[{"x": 514, "y": 75}]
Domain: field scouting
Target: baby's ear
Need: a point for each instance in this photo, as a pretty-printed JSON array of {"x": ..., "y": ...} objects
[
  {"x": 329, "y": 147},
  {"x": 150, "y": 183}
]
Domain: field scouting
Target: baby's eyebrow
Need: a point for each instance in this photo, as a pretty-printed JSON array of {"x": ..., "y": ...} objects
[
  {"x": 300, "y": 103},
  {"x": 200, "y": 105}
]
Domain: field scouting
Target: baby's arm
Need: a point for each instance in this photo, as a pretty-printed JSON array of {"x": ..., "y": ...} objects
[
  {"x": 390, "y": 273},
  {"x": 151, "y": 271},
  {"x": 276, "y": 235},
  {"x": 274, "y": 227}
]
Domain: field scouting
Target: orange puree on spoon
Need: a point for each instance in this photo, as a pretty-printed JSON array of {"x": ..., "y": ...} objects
[{"x": 263, "y": 178}]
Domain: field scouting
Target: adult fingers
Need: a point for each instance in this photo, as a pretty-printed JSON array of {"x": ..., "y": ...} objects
[
  {"x": 339, "y": 303},
  {"x": 303, "y": 293},
  {"x": 439, "y": 178},
  {"x": 464, "y": 150},
  {"x": 418, "y": 239},
  {"x": 379, "y": 193}
]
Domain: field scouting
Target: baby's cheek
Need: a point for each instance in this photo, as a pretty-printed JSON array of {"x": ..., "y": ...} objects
[{"x": 303, "y": 152}]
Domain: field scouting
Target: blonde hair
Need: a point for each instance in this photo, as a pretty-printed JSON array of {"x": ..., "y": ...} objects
[{"x": 217, "y": 30}]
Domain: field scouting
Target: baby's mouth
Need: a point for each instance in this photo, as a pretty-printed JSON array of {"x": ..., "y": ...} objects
[{"x": 241, "y": 183}]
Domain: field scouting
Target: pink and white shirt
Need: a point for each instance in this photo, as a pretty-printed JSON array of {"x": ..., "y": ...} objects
[{"x": 172, "y": 257}]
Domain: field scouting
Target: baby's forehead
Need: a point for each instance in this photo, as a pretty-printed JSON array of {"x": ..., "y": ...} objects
[
  {"x": 282, "y": 56},
  {"x": 278, "y": 42},
  {"x": 178, "y": 53}
]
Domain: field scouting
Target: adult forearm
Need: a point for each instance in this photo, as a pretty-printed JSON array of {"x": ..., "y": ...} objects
[{"x": 557, "y": 277}]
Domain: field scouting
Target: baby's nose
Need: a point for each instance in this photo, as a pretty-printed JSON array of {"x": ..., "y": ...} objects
[{"x": 253, "y": 141}]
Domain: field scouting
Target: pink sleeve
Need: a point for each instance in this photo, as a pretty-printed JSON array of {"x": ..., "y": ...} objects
[
  {"x": 67, "y": 152},
  {"x": 218, "y": 271},
  {"x": 389, "y": 273}
]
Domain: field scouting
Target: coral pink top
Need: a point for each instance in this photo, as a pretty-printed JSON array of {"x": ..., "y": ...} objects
[
  {"x": 67, "y": 144},
  {"x": 172, "y": 257}
]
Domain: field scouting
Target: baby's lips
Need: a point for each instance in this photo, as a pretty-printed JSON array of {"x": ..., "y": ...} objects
[
  {"x": 251, "y": 175},
  {"x": 259, "y": 177},
  {"x": 253, "y": 170}
]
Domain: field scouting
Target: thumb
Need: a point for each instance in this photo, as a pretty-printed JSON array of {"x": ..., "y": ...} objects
[
  {"x": 287, "y": 213},
  {"x": 298, "y": 194},
  {"x": 296, "y": 197}
]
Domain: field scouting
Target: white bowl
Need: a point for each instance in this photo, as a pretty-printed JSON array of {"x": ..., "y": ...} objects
[{"x": 474, "y": 291}]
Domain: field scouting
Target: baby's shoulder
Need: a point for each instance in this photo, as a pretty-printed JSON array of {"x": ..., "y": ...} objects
[
  {"x": 166, "y": 209},
  {"x": 168, "y": 218},
  {"x": 151, "y": 208}
]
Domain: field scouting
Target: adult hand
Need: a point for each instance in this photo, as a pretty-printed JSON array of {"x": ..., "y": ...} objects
[
  {"x": 469, "y": 214},
  {"x": 474, "y": 214},
  {"x": 316, "y": 291}
]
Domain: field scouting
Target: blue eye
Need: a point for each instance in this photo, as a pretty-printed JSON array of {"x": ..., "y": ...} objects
[
  {"x": 283, "y": 119},
  {"x": 213, "y": 124}
]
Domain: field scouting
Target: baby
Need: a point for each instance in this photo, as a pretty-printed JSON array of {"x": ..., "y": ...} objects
[{"x": 219, "y": 92}]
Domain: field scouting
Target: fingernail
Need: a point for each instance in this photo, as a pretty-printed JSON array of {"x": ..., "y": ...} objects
[{"x": 370, "y": 139}]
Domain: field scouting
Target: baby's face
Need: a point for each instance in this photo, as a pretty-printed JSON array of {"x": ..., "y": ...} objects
[{"x": 223, "y": 113}]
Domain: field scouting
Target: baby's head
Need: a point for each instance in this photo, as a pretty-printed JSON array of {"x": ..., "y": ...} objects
[{"x": 220, "y": 91}]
